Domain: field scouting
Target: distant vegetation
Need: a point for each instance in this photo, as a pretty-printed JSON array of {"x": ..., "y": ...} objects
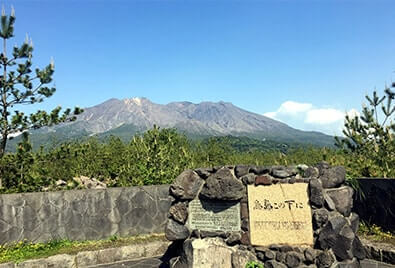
[{"x": 155, "y": 157}]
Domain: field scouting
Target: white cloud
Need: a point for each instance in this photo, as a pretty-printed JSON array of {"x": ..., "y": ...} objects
[
  {"x": 290, "y": 108},
  {"x": 324, "y": 116},
  {"x": 270, "y": 115},
  {"x": 308, "y": 117}
]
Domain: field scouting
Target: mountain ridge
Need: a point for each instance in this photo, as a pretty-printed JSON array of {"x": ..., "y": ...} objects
[{"x": 194, "y": 119}]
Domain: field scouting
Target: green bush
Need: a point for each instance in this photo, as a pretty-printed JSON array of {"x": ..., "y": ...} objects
[{"x": 370, "y": 137}]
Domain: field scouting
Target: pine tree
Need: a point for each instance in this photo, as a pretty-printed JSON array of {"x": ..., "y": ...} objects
[
  {"x": 370, "y": 137},
  {"x": 20, "y": 85}
]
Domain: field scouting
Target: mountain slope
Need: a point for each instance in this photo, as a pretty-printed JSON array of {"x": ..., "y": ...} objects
[{"x": 128, "y": 116}]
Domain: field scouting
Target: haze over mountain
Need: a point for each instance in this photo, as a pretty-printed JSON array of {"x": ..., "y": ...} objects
[{"x": 128, "y": 116}]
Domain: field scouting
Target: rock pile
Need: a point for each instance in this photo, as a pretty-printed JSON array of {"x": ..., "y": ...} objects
[{"x": 335, "y": 226}]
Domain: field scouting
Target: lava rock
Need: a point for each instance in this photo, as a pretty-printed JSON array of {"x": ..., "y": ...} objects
[
  {"x": 179, "y": 212},
  {"x": 233, "y": 238},
  {"x": 263, "y": 180},
  {"x": 241, "y": 170},
  {"x": 329, "y": 203},
  {"x": 333, "y": 177},
  {"x": 244, "y": 210},
  {"x": 286, "y": 248},
  {"x": 309, "y": 255},
  {"x": 358, "y": 250},
  {"x": 354, "y": 220},
  {"x": 261, "y": 256},
  {"x": 186, "y": 185},
  {"x": 248, "y": 179},
  {"x": 223, "y": 185},
  {"x": 320, "y": 218},
  {"x": 204, "y": 173},
  {"x": 281, "y": 172},
  {"x": 280, "y": 256},
  {"x": 269, "y": 254},
  {"x": 245, "y": 238},
  {"x": 274, "y": 264},
  {"x": 260, "y": 170},
  {"x": 338, "y": 236},
  {"x": 311, "y": 172},
  {"x": 324, "y": 259},
  {"x": 245, "y": 224},
  {"x": 322, "y": 166},
  {"x": 342, "y": 197},
  {"x": 204, "y": 234},
  {"x": 316, "y": 192},
  {"x": 175, "y": 231},
  {"x": 293, "y": 259},
  {"x": 330, "y": 232},
  {"x": 240, "y": 258}
]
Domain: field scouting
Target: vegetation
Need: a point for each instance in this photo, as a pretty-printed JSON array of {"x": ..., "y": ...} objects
[
  {"x": 23, "y": 250},
  {"x": 370, "y": 137},
  {"x": 18, "y": 87},
  {"x": 375, "y": 233},
  {"x": 154, "y": 157},
  {"x": 254, "y": 264}
]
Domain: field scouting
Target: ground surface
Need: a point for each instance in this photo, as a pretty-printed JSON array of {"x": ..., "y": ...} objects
[{"x": 154, "y": 262}]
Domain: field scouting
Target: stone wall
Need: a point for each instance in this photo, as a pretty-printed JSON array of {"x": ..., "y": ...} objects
[
  {"x": 334, "y": 241},
  {"x": 83, "y": 214},
  {"x": 374, "y": 202}
]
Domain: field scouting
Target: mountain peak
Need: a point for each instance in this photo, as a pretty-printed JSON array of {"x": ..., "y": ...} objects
[
  {"x": 204, "y": 118},
  {"x": 139, "y": 101}
]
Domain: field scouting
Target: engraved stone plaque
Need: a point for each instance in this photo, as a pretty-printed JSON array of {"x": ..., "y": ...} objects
[
  {"x": 280, "y": 214},
  {"x": 214, "y": 215}
]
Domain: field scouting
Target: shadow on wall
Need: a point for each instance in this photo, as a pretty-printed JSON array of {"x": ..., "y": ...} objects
[{"x": 375, "y": 202}]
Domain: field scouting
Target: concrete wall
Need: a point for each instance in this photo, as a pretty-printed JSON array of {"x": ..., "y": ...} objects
[
  {"x": 83, "y": 214},
  {"x": 377, "y": 206}
]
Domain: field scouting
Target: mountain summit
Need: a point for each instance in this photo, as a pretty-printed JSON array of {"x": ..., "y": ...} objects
[
  {"x": 202, "y": 119},
  {"x": 126, "y": 117}
]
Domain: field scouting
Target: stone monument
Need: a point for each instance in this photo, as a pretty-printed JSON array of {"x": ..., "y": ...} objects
[{"x": 280, "y": 216}]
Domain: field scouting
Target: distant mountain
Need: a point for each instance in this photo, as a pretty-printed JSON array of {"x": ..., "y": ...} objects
[{"x": 126, "y": 117}]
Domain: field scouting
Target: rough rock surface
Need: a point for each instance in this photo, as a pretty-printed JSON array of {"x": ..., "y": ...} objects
[
  {"x": 179, "y": 212},
  {"x": 342, "y": 198},
  {"x": 186, "y": 185},
  {"x": 213, "y": 252},
  {"x": 223, "y": 185},
  {"x": 333, "y": 177},
  {"x": 176, "y": 231},
  {"x": 316, "y": 192}
]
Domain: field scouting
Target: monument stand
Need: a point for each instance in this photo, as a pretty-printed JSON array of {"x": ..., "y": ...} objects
[{"x": 296, "y": 216}]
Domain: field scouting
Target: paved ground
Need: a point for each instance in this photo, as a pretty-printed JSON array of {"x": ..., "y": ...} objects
[
  {"x": 375, "y": 264},
  {"x": 140, "y": 263},
  {"x": 156, "y": 263}
]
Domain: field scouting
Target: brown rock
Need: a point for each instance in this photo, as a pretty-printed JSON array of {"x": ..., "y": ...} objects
[
  {"x": 263, "y": 180},
  {"x": 179, "y": 212},
  {"x": 245, "y": 238},
  {"x": 186, "y": 185}
]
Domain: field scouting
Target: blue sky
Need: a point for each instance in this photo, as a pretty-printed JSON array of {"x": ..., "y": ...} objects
[{"x": 305, "y": 63}]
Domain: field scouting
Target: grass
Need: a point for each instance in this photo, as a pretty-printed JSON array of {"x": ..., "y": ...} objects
[
  {"x": 376, "y": 234},
  {"x": 23, "y": 250}
]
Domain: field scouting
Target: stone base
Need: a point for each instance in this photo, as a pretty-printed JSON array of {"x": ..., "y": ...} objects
[{"x": 211, "y": 252}]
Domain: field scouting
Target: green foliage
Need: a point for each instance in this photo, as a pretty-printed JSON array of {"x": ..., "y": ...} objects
[
  {"x": 370, "y": 137},
  {"x": 375, "y": 233},
  {"x": 20, "y": 85},
  {"x": 254, "y": 264},
  {"x": 24, "y": 250},
  {"x": 157, "y": 156}
]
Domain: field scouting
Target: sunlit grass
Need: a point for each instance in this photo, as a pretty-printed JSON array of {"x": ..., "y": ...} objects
[{"x": 23, "y": 250}]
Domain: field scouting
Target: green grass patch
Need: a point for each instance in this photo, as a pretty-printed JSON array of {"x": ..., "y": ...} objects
[
  {"x": 23, "y": 250},
  {"x": 375, "y": 233}
]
